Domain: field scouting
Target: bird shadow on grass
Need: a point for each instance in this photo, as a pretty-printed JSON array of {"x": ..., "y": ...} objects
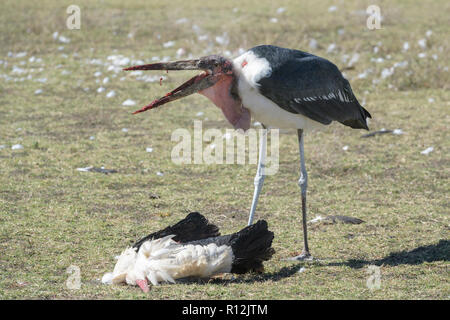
[
  {"x": 428, "y": 253},
  {"x": 247, "y": 278}
]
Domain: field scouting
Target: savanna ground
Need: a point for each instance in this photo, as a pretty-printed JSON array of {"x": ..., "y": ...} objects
[{"x": 53, "y": 216}]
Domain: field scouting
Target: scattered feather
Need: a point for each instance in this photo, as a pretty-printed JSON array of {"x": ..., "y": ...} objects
[
  {"x": 180, "y": 52},
  {"x": 406, "y": 46},
  {"x": 364, "y": 74},
  {"x": 316, "y": 219},
  {"x": 168, "y": 44},
  {"x": 427, "y": 150},
  {"x": 422, "y": 43},
  {"x": 17, "y": 147},
  {"x": 338, "y": 218},
  {"x": 387, "y": 72},
  {"x": 313, "y": 44},
  {"x": 422, "y": 55},
  {"x": 332, "y": 9},
  {"x": 94, "y": 169},
  {"x": 136, "y": 73},
  {"x": 402, "y": 64},
  {"x": 63, "y": 39},
  {"x": 331, "y": 48},
  {"x": 181, "y": 20},
  {"x": 223, "y": 40},
  {"x": 20, "y": 54},
  {"x": 129, "y": 102},
  {"x": 379, "y": 132},
  {"x": 18, "y": 70},
  {"x": 119, "y": 60},
  {"x": 353, "y": 60}
]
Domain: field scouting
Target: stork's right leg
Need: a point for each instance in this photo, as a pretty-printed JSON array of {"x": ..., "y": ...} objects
[
  {"x": 303, "y": 184},
  {"x": 259, "y": 178}
]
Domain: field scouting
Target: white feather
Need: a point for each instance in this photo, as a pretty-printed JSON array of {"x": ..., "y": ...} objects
[
  {"x": 164, "y": 260},
  {"x": 255, "y": 67}
]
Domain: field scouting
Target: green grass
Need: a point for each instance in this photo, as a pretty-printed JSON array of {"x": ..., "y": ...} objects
[{"x": 52, "y": 216}]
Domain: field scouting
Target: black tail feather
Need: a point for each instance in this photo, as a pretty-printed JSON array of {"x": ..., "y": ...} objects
[
  {"x": 361, "y": 120},
  {"x": 193, "y": 227},
  {"x": 251, "y": 247}
]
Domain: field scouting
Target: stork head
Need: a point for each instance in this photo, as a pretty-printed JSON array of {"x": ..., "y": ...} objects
[
  {"x": 215, "y": 82},
  {"x": 214, "y": 69}
]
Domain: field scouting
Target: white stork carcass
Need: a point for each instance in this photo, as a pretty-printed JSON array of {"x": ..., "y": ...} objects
[{"x": 198, "y": 252}]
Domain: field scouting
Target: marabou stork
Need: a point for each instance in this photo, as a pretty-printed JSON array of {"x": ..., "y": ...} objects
[{"x": 279, "y": 87}]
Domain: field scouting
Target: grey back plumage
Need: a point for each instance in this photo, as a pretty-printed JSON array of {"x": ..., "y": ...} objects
[{"x": 305, "y": 84}]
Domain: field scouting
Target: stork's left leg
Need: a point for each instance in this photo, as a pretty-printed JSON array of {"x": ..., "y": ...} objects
[
  {"x": 303, "y": 184},
  {"x": 260, "y": 175}
]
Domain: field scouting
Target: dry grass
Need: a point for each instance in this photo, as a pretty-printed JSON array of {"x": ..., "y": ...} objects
[{"x": 52, "y": 216}]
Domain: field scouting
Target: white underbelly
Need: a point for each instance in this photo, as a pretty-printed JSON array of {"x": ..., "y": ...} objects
[{"x": 270, "y": 114}]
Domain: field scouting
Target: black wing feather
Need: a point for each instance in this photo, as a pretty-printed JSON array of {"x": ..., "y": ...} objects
[
  {"x": 194, "y": 227},
  {"x": 305, "y": 84}
]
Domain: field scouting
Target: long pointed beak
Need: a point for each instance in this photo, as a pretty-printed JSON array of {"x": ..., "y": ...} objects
[{"x": 193, "y": 85}]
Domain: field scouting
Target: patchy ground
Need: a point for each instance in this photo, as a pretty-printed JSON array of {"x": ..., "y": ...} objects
[{"x": 62, "y": 95}]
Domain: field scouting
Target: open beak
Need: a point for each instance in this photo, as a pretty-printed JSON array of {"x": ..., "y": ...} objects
[{"x": 193, "y": 85}]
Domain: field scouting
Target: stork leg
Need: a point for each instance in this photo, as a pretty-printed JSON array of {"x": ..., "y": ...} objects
[
  {"x": 259, "y": 178},
  {"x": 303, "y": 184}
]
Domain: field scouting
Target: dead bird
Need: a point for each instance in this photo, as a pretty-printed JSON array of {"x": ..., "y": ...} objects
[{"x": 159, "y": 258}]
